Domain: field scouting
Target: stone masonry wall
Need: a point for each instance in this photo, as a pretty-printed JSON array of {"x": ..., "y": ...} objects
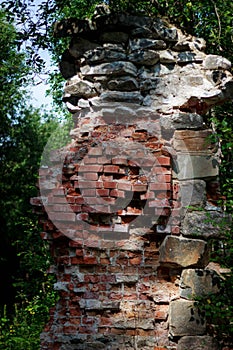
[{"x": 120, "y": 204}]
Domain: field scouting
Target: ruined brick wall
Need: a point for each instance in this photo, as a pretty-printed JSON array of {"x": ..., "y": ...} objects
[{"x": 120, "y": 204}]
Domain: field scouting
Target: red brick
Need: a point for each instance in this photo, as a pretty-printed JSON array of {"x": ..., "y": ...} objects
[
  {"x": 79, "y": 252},
  {"x": 69, "y": 329},
  {"x": 75, "y": 243},
  {"x": 103, "y": 209},
  {"x": 105, "y": 177},
  {"x": 85, "y": 184},
  {"x": 134, "y": 211},
  {"x": 104, "y": 261},
  {"x": 155, "y": 186},
  {"x": 91, "y": 278},
  {"x": 105, "y": 321},
  {"x": 175, "y": 230},
  {"x": 90, "y": 260},
  {"x": 124, "y": 186},
  {"x": 57, "y": 200},
  {"x": 79, "y": 200},
  {"x": 70, "y": 199},
  {"x": 135, "y": 261},
  {"x": 95, "y": 151},
  {"x": 120, "y": 161},
  {"x": 108, "y": 278},
  {"x": 76, "y": 260},
  {"x": 94, "y": 201},
  {"x": 160, "y": 170},
  {"x": 148, "y": 195},
  {"x": 111, "y": 168},
  {"x": 61, "y": 207},
  {"x": 139, "y": 188},
  {"x": 89, "y": 160},
  {"x": 75, "y": 208},
  {"x": 102, "y": 192},
  {"x": 149, "y": 162},
  {"x": 88, "y": 192},
  {"x": 162, "y": 160},
  {"x": 159, "y": 203},
  {"x": 60, "y": 216},
  {"x": 164, "y": 178},
  {"x": 117, "y": 193},
  {"x": 90, "y": 176},
  {"x": 58, "y": 191},
  {"x": 103, "y": 160},
  {"x": 110, "y": 184},
  {"x": 90, "y": 168}
]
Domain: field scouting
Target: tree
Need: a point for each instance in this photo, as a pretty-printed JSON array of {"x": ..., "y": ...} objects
[{"x": 23, "y": 135}]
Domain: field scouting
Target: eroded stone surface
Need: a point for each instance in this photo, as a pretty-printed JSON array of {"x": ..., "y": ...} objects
[
  {"x": 204, "y": 342},
  {"x": 196, "y": 283},
  {"x": 182, "y": 252},
  {"x": 193, "y": 193},
  {"x": 191, "y": 166},
  {"x": 207, "y": 225},
  {"x": 186, "y": 319}
]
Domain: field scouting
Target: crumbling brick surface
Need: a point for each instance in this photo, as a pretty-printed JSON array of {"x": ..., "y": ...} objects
[{"x": 114, "y": 200}]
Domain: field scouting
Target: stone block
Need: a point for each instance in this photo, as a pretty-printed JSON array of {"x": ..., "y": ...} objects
[
  {"x": 185, "y": 319},
  {"x": 190, "y": 56},
  {"x": 122, "y": 96},
  {"x": 196, "y": 282},
  {"x": 192, "y": 192},
  {"x": 196, "y": 166},
  {"x": 104, "y": 55},
  {"x": 204, "y": 342},
  {"x": 182, "y": 120},
  {"x": 145, "y": 43},
  {"x": 167, "y": 56},
  {"x": 216, "y": 62},
  {"x": 148, "y": 58},
  {"x": 123, "y": 84},
  {"x": 193, "y": 141},
  {"x": 205, "y": 224},
  {"x": 182, "y": 252},
  {"x": 77, "y": 87},
  {"x": 112, "y": 68}
]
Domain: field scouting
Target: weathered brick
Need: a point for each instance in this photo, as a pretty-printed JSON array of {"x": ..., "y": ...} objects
[
  {"x": 95, "y": 151},
  {"x": 117, "y": 193},
  {"x": 102, "y": 192},
  {"x": 110, "y": 184},
  {"x": 111, "y": 168},
  {"x": 88, "y": 160},
  {"x": 120, "y": 161},
  {"x": 159, "y": 186},
  {"x": 139, "y": 188},
  {"x": 90, "y": 168},
  {"x": 126, "y": 186}
]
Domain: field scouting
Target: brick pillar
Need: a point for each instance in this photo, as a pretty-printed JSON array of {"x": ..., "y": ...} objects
[{"x": 120, "y": 203}]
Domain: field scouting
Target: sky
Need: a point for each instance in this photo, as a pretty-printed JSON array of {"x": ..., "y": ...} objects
[{"x": 38, "y": 91}]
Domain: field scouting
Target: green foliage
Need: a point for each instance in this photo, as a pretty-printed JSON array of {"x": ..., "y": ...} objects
[
  {"x": 24, "y": 258},
  {"x": 20, "y": 326},
  {"x": 21, "y": 330}
]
